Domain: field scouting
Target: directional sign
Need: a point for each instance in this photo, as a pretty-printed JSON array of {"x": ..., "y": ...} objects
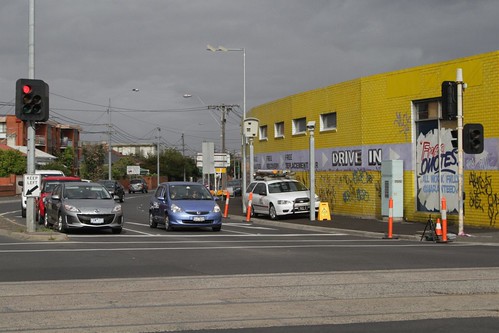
[{"x": 32, "y": 185}]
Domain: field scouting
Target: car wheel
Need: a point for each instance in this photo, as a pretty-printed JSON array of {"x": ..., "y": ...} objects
[
  {"x": 116, "y": 230},
  {"x": 122, "y": 198},
  {"x": 217, "y": 228},
  {"x": 152, "y": 223},
  {"x": 60, "y": 224},
  {"x": 129, "y": 192},
  {"x": 46, "y": 220},
  {"x": 168, "y": 226},
  {"x": 272, "y": 212},
  {"x": 23, "y": 212}
]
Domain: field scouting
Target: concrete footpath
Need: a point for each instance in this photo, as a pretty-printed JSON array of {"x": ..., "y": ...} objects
[{"x": 372, "y": 228}]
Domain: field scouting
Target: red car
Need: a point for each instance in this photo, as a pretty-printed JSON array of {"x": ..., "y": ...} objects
[{"x": 48, "y": 184}]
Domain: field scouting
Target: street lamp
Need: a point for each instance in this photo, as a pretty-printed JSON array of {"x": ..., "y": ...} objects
[
  {"x": 110, "y": 129},
  {"x": 243, "y": 138}
]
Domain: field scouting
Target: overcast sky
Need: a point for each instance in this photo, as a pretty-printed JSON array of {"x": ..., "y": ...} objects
[{"x": 91, "y": 52}]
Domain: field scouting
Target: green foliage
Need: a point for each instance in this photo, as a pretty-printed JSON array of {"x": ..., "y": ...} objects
[
  {"x": 119, "y": 167},
  {"x": 92, "y": 166},
  {"x": 171, "y": 164},
  {"x": 12, "y": 162},
  {"x": 64, "y": 162}
]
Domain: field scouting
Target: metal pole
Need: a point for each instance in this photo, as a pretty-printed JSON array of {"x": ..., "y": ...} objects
[
  {"x": 158, "y": 152},
  {"x": 460, "y": 167},
  {"x": 243, "y": 137},
  {"x": 252, "y": 170},
  {"x": 110, "y": 164},
  {"x": 312, "y": 174},
  {"x": 30, "y": 145},
  {"x": 183, "y": 154}
]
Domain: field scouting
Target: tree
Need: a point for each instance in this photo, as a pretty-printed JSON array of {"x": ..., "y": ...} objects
[
  {"x": 93, "y": 162},
  {"x": 171, "y": 164},
  {"x": 64, "y": 162},
  {"x": 119, "y": 167},
  {"x": 12, "y": 162}
]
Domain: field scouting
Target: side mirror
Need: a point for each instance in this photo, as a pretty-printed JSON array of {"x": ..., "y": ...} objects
[
  {"x": 20, "y": 183},
  {"x": 55, "y": 197}
]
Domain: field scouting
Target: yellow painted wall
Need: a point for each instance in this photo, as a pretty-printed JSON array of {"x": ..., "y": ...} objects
[{"x": 377, "y": 110}]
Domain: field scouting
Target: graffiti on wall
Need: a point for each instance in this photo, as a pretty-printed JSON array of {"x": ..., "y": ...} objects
[
  {"x": 483, "y": 197},
  {"x": 403, "y": 122}
]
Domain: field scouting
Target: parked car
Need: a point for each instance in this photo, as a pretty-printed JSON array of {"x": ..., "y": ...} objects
[
  {"x": 277, "y": 197},
  {"x": 48, "y": 184},
  {"x": 80, "y": 205},
  {"x": 138, "y": 185},
  {"x": 115, "y": 188},
  {"x": 42, "y": 173},
  {"x": 234, "y": 187},
  {"x": 186, "y": 205}
]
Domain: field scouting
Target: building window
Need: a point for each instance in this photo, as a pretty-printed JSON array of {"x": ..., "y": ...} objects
[
  {"x": 299, "y": 126},
  {"x": 279, "y": 130},
  {"x": 263, "y": 132},
  {"x": 427, "y": 109},
  {"x": 328, "y": 121}
]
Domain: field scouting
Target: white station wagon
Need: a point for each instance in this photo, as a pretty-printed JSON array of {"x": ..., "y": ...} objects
[{"x": 279, "y": 197}]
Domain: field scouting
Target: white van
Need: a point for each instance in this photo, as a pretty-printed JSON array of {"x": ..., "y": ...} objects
[{"x": 43, "y": 173}]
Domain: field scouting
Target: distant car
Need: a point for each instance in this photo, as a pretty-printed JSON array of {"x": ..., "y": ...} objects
[
  {"x": 234, "y": 187},
  {"x": 82, "y": 205},
  {"x": 115, "y": 188},
  {"x": 186, "y": 205},
  {"x": 138, "y": 185},
  {"x": 48, "y": 184},
  {"x": 279, "y": 197}
]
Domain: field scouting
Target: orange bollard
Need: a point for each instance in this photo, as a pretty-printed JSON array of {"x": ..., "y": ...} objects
[
  {"x": 444, "y": 220},
  {"x": 390, "y": 220},
  {"x": 226, "y": 212},
  {"x": 248, "y": 209}
]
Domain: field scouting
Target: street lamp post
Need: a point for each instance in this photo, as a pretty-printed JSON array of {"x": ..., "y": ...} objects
[
  {"x": 243, "y": 137},
  {"x": 158, "y": 153},
  {"x": 110, "y": 131}
]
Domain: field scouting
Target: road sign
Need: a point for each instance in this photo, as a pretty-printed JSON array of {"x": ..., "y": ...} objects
[
  {"x": 32, "y": 185},
  {"x": 133, "y": 170}
]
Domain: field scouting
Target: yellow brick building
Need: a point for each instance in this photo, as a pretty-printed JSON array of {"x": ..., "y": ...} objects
[{"x": 390, "y": 116}]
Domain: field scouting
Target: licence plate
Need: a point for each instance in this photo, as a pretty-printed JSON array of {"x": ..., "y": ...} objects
[
  {"x": 96, "y": 220},
  {"x": 198, "y": 218},
  {"x": 302, "y": 208}
]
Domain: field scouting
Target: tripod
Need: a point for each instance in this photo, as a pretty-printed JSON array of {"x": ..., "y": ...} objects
[{"x": 430, "y": 225}]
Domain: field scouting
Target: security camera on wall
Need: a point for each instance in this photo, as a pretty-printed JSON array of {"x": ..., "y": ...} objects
[{"x": 311, "y": 125}]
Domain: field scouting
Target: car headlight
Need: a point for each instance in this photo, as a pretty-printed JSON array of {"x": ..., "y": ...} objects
[
  {"x": 283, "y": 202},
  {"x": 175, "y": 208},
  {"x": 70, "y": 208},
  {"x": 117, "y": 209},
  {"x": 216, "y": 209}
]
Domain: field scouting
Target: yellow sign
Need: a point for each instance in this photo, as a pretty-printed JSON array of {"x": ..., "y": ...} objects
[
  {"x": 324, "y": 213},
  {"x": 221, "y": 170}
]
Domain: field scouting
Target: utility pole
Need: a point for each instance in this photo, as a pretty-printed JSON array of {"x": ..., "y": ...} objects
[
  {"x": 183, "y": 154},
  {"x": 225, "y": 110}
]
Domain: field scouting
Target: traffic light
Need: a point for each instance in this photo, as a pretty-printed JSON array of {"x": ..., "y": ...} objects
[
  {"x": 473, "y": 138},
  {"x": 449, "y": 100},
  {"x": 32, "y": 100}
]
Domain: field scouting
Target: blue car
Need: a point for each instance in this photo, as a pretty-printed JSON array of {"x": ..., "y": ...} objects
[{"x": 186, "y": 205}]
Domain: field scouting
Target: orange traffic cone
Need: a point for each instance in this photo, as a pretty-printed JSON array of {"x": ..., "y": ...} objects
[{"x": 438, "y": 228}]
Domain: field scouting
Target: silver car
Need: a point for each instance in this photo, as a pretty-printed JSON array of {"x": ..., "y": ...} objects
[{"x": 80, "y": 205}]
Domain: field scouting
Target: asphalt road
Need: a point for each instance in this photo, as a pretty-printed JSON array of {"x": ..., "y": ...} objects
[{"x": 250, "y": 277}]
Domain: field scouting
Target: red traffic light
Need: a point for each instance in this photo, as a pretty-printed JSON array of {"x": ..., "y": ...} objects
[{"x": 26, "y": 89}]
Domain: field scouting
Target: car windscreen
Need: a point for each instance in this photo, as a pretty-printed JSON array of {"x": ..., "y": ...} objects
[
  {"x": 50, "y": 185},
  {"x": 189, "y": 192},
  {"x": 86, "y": 192},
  {"x": 280, "y": 187}
]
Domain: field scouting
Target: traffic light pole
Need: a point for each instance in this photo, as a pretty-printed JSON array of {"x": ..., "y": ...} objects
[{"x": 30, "y": 201}]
